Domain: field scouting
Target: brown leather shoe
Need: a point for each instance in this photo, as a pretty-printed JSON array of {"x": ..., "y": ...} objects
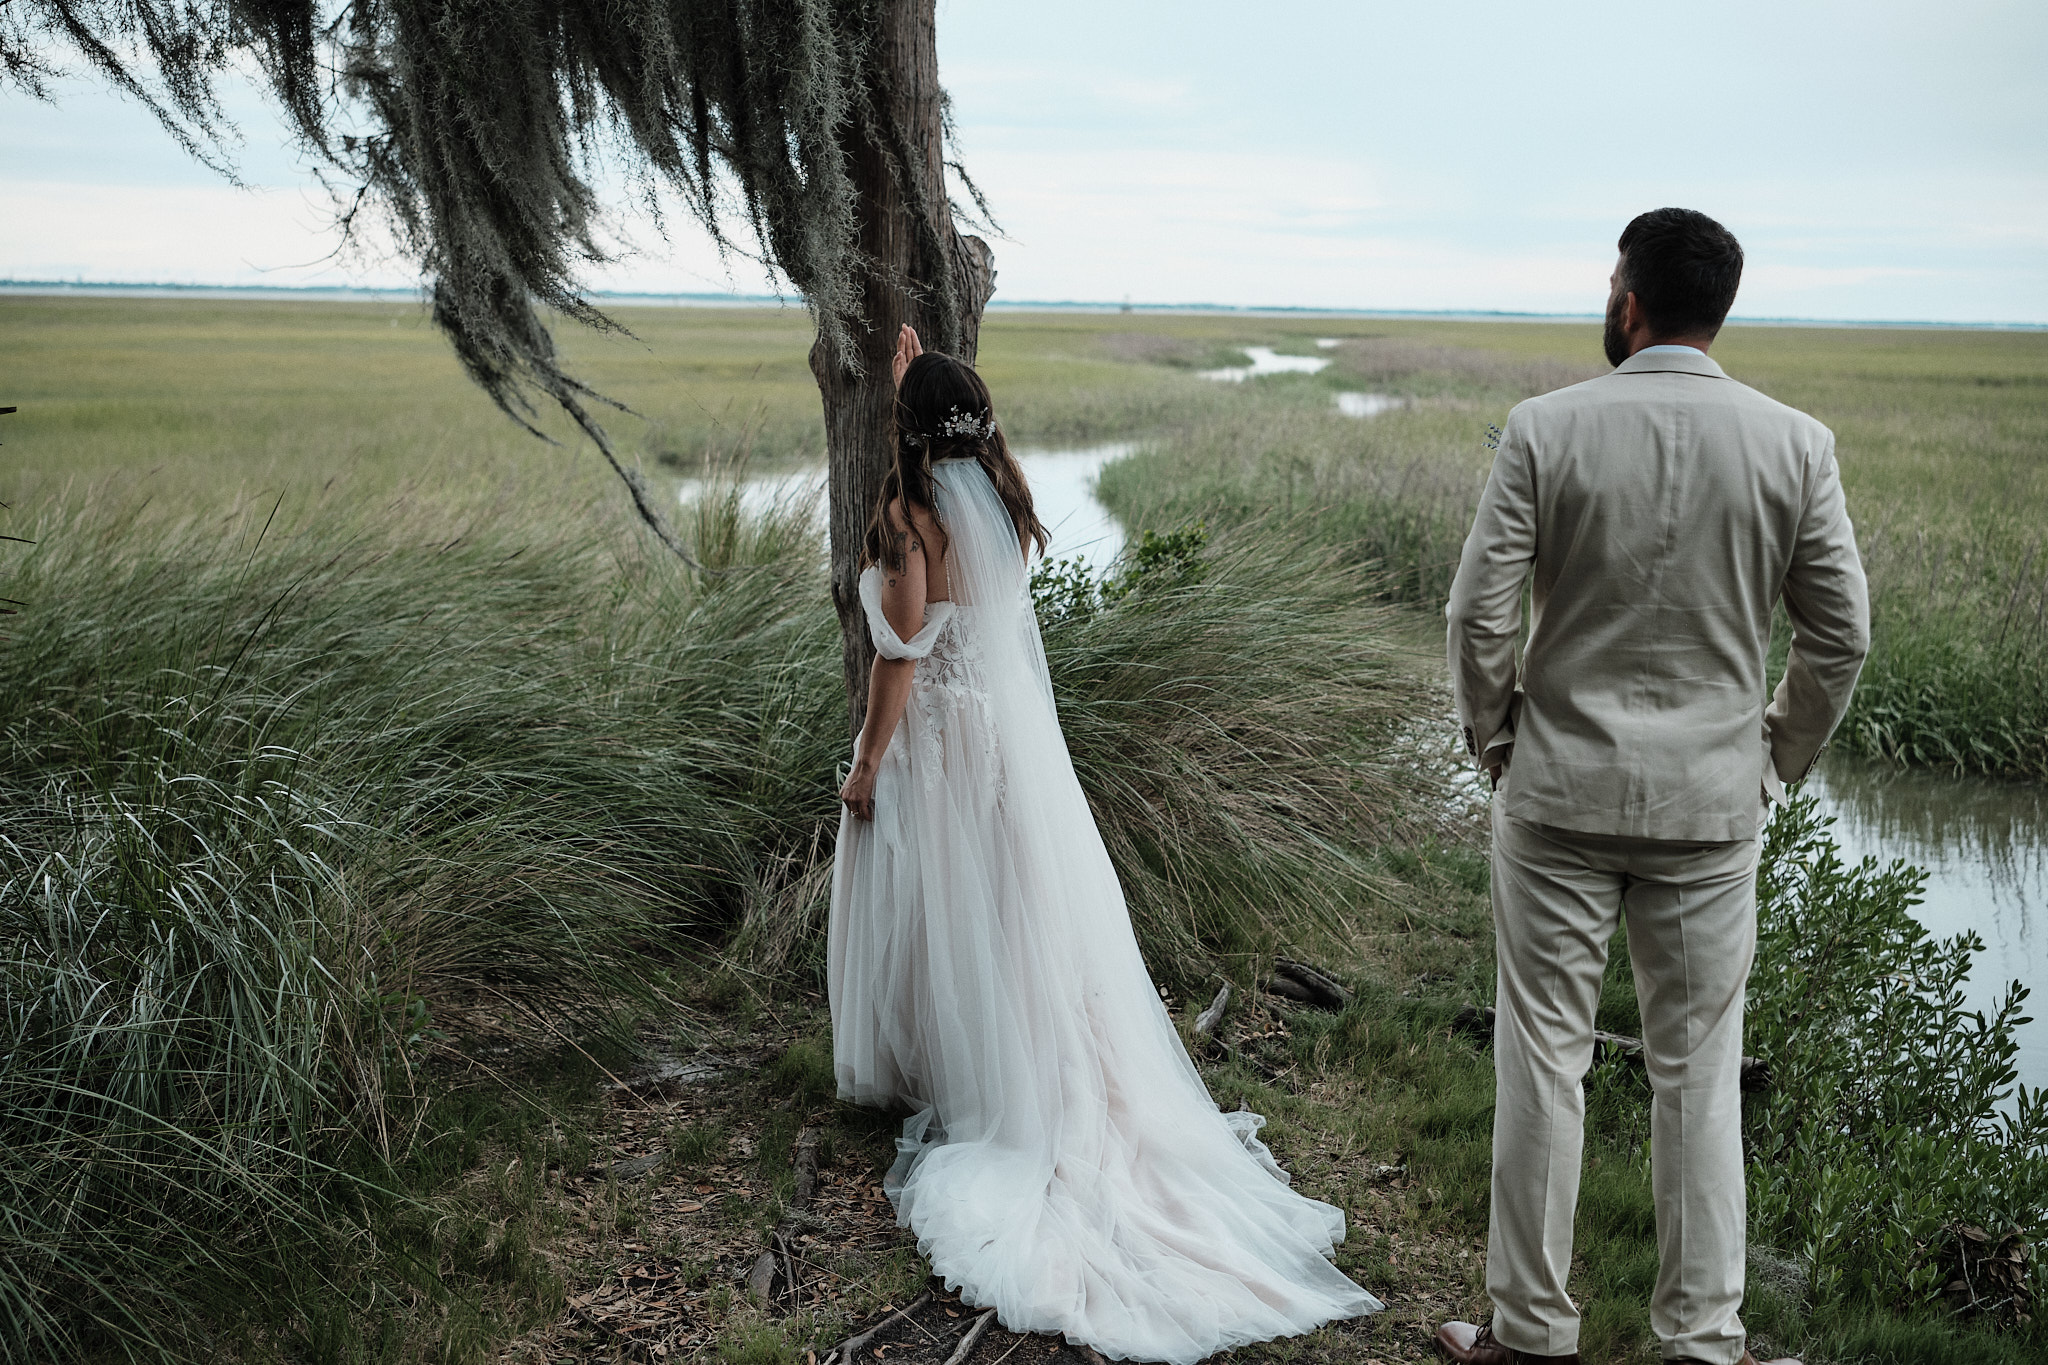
[{"x": 1469, "y": 1345}]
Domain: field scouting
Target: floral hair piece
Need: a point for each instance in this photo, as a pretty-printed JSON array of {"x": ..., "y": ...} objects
[
  {"x": 957, "y": 423},
  {"x": 960, "y": 423}
]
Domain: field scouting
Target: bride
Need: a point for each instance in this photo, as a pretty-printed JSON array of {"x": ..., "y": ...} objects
[{"x": 1064, "y": 1164}]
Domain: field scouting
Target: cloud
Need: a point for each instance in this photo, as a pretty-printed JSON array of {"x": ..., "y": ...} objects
[
  {"x": 178, "y": 234},
  {"x": 1415, "y": 159}
]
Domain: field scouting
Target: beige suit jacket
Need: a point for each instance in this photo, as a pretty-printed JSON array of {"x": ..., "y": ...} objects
[{"x": 1657, "y": 513}]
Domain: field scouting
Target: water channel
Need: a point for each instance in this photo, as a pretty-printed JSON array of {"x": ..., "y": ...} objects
[
  {"x": 1983, "y": 844},
  {"x": 1984, "y": 847},
  {"x": 1264, "y": 360},
  {"x": 1062, "y": 493}
]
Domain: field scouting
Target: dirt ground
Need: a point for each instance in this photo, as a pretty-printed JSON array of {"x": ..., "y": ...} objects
[{"x": 694, "y": 1170}]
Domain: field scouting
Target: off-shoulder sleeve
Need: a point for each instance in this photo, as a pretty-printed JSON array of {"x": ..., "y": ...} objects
[{"x": 888, "y": 643}]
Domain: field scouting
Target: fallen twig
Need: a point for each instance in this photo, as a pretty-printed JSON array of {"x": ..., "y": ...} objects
[
  {"x": 788, "y": 1264},
  {"x": 966, "y": 1346},
  {"x": 1326, "y": 991},
  {"x": 843, "y": 1353},
  {"x": 1299, "y": 982},
  {"x": 1208, "y": 1019}
]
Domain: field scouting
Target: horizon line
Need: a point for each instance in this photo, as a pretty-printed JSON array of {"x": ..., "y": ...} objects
[{"x": 711, "y": 299}]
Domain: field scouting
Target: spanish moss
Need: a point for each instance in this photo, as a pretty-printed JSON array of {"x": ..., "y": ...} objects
[{"x": 476, "y": 129}]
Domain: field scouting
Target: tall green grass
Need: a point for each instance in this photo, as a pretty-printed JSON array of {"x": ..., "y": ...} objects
[
  {"x": 1242, "y": 723},
  {"x": 288, "y": 810},
  {"x": 1941, "y": 437},
  {"x": 295, "y": 806},
  {"x": 279, "y": 808}
]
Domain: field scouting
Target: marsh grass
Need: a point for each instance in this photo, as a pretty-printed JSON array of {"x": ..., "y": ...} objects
[
  {"x": 1940, "y": 436},
  {"x": 1241, "y": 732},
  {"x": 1241, "y": 728},
  {"x": 279, "y": 810},
  {"x": 348, "y": 834},
  {"x": 300, "y": 809}
]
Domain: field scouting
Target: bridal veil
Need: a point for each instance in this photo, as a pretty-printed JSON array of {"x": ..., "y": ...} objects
[{"x": 1064, "y": 1163}]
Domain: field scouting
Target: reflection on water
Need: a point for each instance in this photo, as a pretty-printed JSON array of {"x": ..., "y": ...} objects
[
  {"x": 1062, "y": 492},
  {"x": 1063, "y": 495},
  {"x": 1265, "y": 360},
  {"x": 1366, "y": 404},
  {"x": 1984, "y": 846}
]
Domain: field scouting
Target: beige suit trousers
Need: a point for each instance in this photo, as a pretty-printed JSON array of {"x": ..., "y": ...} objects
[{"x": 1558, "y": 896}]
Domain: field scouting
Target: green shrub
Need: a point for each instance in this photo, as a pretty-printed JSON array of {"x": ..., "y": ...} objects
[{"x": 1892, "y": 1150}]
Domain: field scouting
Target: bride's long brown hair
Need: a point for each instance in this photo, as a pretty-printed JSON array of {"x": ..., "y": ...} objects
[{"x": 943, "y": 411}]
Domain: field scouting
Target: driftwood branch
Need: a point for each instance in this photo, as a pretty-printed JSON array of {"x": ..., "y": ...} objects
[
  {"x": 967, "y": 1343},
  {"x": 761, "y": 1279},
  {"x": 1208, "y": 1019},
  {"x": 844, "y": 1352},
  {"x": 776, "y": 1255},
  {"x": 806, "y": 1160},
  {"x": 1306, "y": 985},
  {"x": 1755, "y": 1072}
]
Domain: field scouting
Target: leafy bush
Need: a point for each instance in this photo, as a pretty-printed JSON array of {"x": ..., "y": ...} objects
[
  {"x": 1893, "y": 1152},
  {"x": 1066, "y": 590}
]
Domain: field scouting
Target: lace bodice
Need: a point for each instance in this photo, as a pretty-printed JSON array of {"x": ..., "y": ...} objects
[{"x": 955, "y": 660}]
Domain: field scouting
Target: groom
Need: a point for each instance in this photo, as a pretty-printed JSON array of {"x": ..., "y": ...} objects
[{"x": 1657, "y": 514}]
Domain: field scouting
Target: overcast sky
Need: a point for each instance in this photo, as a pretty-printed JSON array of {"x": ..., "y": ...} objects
[{"x": 1879, "y": 159}]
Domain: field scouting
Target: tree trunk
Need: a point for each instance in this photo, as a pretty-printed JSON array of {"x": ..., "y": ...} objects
[{"x": 915, "y": 268}]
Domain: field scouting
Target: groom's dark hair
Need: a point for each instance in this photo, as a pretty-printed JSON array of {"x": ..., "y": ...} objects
[{"x": 1683, "y": 268}]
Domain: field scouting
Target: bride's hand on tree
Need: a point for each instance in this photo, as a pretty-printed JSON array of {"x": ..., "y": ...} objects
[
  {"x": 859, "y": 793},
  {"x": 908, "y": 348}
]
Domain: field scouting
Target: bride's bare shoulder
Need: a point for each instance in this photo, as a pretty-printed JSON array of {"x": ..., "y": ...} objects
[{"x": 917, "y": 523}]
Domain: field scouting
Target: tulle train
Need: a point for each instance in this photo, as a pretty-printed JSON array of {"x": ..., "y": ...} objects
[{"x": 1065, "y": 1164}]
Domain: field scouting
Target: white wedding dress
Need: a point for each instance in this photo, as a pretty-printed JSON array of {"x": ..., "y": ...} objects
[{"x": 1065, "y": 1164}]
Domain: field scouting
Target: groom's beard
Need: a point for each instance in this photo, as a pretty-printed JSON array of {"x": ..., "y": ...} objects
[{"x": 1613, "y": 338}]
